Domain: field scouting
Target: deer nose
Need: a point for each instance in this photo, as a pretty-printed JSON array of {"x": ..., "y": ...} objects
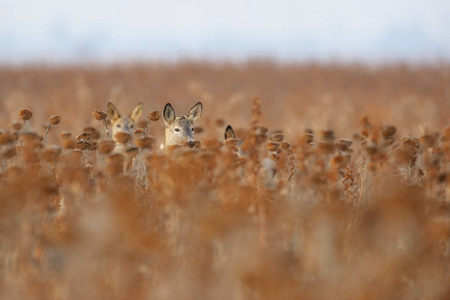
[{"x": 191, "y": 143}]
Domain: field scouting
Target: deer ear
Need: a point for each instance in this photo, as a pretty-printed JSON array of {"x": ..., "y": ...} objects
[
  {"x": 136, "y": 113},
  {"x": 168, "y": 114},
  {"x": 112, "y": 112},
  {"x": 195, "y": 112},
  {"x": 229, "y": 133}
]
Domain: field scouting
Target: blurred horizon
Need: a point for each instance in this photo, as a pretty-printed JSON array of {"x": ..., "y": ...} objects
[{"x": 120, "y": 31}]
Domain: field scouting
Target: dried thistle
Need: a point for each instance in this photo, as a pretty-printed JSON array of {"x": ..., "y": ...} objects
[
  {"x": 327, "y": 135},
  {"x": 122, "y": 137},
  {"x": 144, "y": 142},
  {"x": 101, "y": 116},
  {"x": 55, "y": 119},
  {"x": 388, "y": 131},
  {"x": 106, "y": 147},
  {"x": 154, "y": 116},
  {"x": 25, "y": 114},
  {"x": 65, "y": 135},
  {"x": 16, "y": 125}
]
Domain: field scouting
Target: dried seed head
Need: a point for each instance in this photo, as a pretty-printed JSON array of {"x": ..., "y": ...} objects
[
  {"x": 66, "y": 135},
  {"x": 91, "y": 133},
  {"x": 389, "y": 131},
  {"x": 25, "y": 114},
  {"x": 154, "y": 115},
  {"x": 82, "y": 145},
  {"x": 99, "y": 114},
  {"x": 272, "y": 146},
  {"x": 404, "y": 155},
  {"x": 16, "y": 125},
  {"x": 388, "y": 141},
  {"x": 131, "y": 152},
  {"x": 55, "y": 119},
  {"x": 277, "y": 136},
  {"x": 105, "y": 147},
  {"x": 307, "y": 138},
  {"x": 410, "y": 142},
  {"x": 144, "y": 142},
  {"x": 428, "y": 140},
  {"x": 327, "y": 135},
  {"x": 325, "y": 147},
  {"x": 84, "y": 136},
  {"x": 69, "y": 143},
  {"x": 285, "y": 145},
  {"x": 275, "y": 157},
  {"x": 142, "y": 124},
  {"x": 122, "y": 137},
  {"x": 139, "y": 133}
]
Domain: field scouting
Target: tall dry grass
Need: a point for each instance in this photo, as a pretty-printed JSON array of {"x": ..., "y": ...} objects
[{"x": 358, "y": 207}]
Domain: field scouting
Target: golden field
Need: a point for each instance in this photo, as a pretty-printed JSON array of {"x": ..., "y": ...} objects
[{"x": 359, "y": 207}]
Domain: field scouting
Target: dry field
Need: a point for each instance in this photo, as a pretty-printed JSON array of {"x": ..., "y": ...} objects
[{"x": 359, "y": 207}]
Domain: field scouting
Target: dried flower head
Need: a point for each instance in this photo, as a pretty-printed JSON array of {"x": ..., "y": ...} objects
[
  {"x": 16, "y": 125},
  {"x": 389, "y": 131},
  {"x": 91, "y": 133},
  {"x": 325, "y": 147},
  {"x": 106, "y": 147},
  {"x": 141, "y": 124},
  {"x": 277, "y": 136},
  {"x": 272, "y": 146},
  {"x": 144, "y": 142},
  {"x": 25, "y": 114},
  {"x": 428, "y": 140},
  {"x": 66, "y": 135},
  {"x": 69, "y": 143},
  {"x": 154, "y": 116},
  {"x": 55, "y": 119},
  {"x": 327, "y": 135},
  {"x": 99, "y": 114},
  {"x": 122, "y": 137}
]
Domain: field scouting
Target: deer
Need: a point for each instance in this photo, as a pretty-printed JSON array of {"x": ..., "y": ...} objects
[
  {"x": 124, "y": 124},
  {"x": 267, "y": 165},
  {"x": 180, "y": 129}
]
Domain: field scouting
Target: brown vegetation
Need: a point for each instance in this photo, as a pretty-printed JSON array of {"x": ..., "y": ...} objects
[{"x": 358, "y": 207}]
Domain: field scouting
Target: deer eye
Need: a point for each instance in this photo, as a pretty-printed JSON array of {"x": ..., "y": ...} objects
[
  {"x": 118, "y": 125},
  {"x": 177, "y": 129},
  {"x": 131, "y": 126},
  {"x": 192, "y": 129}
]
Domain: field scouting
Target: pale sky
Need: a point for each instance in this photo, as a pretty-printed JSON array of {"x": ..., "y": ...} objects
[{"x": 286, "y": 29}]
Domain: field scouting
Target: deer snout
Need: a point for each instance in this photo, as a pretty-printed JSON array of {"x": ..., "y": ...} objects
[{"x": 191, "y": 144}]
